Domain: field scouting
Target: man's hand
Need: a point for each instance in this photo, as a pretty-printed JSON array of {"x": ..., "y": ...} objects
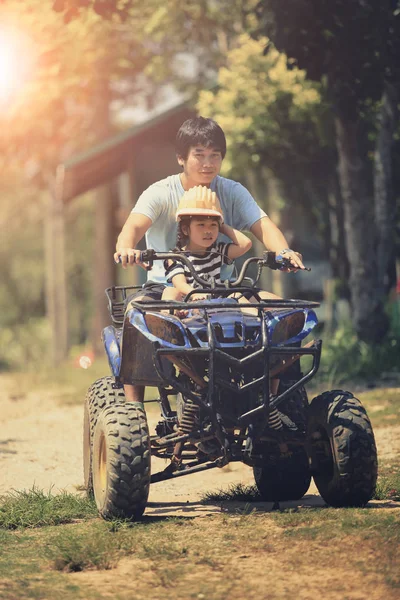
[
  {"x": 295, "y": 258},
  {"x": 130, "y": 256}
]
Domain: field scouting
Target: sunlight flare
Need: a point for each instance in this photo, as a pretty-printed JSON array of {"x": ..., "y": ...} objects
[{"x": 15, "y": 63}]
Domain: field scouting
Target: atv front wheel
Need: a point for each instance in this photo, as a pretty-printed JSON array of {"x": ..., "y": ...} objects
[
  {"x": 101, "y": 393},
  {"x": 342, "y": 447},
  {"x": 121, "y": 461},
  {"x": 283, "y": 477}
]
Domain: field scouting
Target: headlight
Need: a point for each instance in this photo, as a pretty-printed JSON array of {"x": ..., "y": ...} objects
[
  {"x": 288, "y": 327},
  {"x": 164, "y": 329}
]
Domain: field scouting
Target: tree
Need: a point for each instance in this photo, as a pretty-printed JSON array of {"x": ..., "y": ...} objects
[
  {"x": 55, "y": 112},
  {"x": 275, "y": 117},
  {"x": 64, "y": 106},
  {"x": 353, "y": 46}
]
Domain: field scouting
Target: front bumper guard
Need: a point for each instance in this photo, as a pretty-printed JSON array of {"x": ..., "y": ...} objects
[{"x": 263, "y": 354}]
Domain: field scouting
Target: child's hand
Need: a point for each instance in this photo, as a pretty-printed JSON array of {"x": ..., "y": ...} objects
[{"x": 197, "y": 297}]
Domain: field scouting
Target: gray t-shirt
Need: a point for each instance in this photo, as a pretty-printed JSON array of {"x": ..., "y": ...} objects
[{"x": 160, "y": 203}]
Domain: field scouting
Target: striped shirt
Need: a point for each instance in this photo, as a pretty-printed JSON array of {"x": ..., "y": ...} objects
[{"x": 207, "y": 265}]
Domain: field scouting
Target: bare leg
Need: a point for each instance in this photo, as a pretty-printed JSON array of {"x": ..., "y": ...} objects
[
  {"x": 171, "y": 293},
  {"x": 269, "y": 296},
  {"x": 274, "y": 383},
  {"x": 134, "y": 393},
  {"x": 242, "y": 300},
  {"x": 263, "y": 296},
  {"x": 273, "y": 386}
]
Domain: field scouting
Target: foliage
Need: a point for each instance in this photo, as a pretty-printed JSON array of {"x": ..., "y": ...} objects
[
  {"x": 21, "y": 251},
  {"x": 25, "y": 344},
  {"x": 80, "y": 66},
  {"x": 346, "y": 358},
  {"x": 353, "y": 43},
  {"x": 105, "y": 8},
  {"x": 24, "y": 330},
  {"x": 90, "y": 66},
  {"x": 266, "y": 109},
  {"x": 276, "y": 119},
  {"x": 202, "y": 30},
  {"x": 353, "y": 46}
]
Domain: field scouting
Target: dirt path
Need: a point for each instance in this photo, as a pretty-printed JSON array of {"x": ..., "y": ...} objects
[{"x": 41, "y": 445}]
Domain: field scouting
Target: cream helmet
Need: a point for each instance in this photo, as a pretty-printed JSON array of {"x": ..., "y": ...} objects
[{"x": 199, "y": 201}]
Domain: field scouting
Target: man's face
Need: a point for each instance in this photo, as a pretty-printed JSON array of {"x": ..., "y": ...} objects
[{"x": 201, "y": 166}]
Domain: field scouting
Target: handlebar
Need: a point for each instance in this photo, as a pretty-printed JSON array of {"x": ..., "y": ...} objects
[{"x": 268, "y": 259}]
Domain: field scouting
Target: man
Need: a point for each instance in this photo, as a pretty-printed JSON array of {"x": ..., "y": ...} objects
[{"x": 200, "y": 150}]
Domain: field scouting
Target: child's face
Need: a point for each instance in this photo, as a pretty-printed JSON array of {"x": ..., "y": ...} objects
[
  {"x": 201, "y": 165},
  {"x": 202, "y": 231}
]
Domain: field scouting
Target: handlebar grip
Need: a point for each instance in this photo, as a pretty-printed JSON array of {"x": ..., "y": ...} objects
[{"x": 147, "y": 255}]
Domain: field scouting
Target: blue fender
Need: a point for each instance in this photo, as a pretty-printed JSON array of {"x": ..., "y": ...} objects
[{"x": 112, "y": 343}]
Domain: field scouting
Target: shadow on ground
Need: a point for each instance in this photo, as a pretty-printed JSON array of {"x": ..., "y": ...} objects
[{"x": 199, "y": 509}]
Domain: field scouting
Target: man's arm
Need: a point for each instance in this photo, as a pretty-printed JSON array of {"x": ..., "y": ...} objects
[
  {"x": 132, "y": 232},
  {"x": 273, "y": 239}
]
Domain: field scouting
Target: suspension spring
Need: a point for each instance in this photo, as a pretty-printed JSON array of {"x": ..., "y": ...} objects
[{"x": 190, "y": 418}]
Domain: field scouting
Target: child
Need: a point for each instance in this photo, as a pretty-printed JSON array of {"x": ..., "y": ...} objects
[{"x": 200, "y": 220}]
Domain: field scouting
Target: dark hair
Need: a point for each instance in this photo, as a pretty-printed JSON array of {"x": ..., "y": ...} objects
[
  {"x": 199, "y": 131},
  {"x": 181, "y": 238}
]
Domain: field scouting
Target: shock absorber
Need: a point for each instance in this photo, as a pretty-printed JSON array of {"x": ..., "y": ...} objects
[
  {"x": 190, "y": 416},
  {"x": 274, "y": 420}
]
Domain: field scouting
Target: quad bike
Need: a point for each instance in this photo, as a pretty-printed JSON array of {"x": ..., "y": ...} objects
[{"x": 212, "y": 367}]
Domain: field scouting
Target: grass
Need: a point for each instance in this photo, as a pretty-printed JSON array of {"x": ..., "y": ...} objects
[
  {"x": 382, "y": 405},
  {"x": 74, "y": 550},
  {"x": 36, "y": 508},
  {"x": 234, "y": 493},
  {"x": 213, "y": 556},
  {"x": 388, "y": 486}
]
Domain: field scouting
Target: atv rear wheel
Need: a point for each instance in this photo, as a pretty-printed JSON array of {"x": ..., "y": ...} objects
[
  {"x": 342, "y": 447},
  {"x": 101, "y": 393},
  {"x": 283, "y": 478},
  {"x": 121, "y": 461}
]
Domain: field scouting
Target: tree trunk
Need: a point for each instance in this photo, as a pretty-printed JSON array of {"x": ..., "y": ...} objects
[
  {"x": 385, "y": 205},
  {"x": 338, "y": 252},
  {"x": 368, "y": 314},
  {"x": 56, "y": 278}
]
